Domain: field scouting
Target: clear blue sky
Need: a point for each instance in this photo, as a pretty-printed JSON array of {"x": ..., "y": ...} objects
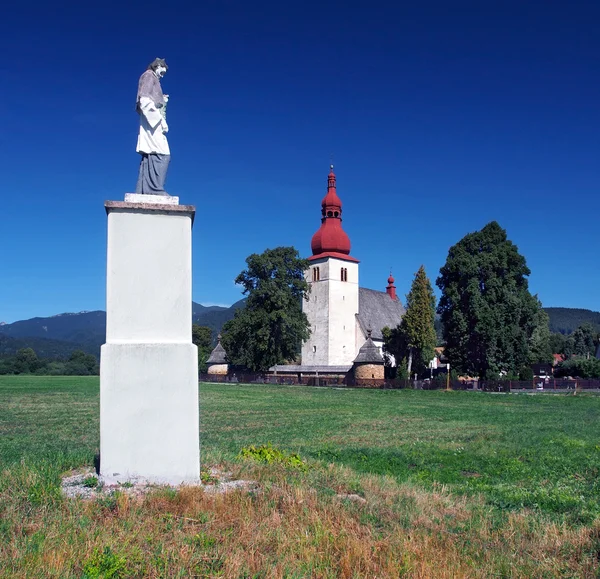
[{"x": 441, "y": 116}]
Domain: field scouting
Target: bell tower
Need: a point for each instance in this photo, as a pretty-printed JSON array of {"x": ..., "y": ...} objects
[{"x": 333, "y": 278}]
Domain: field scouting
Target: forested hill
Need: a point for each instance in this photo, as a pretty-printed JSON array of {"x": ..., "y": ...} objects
[
  {"x": 567, "y": 320},
  {"x": 57, "y": 336},
  {"x": 60, "y": 335}
]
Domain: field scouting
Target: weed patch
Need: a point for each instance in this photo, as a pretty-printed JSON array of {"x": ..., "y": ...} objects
[{"x": 271, "y": 455}]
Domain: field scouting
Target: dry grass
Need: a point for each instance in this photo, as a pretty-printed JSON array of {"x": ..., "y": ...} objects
[
  {"x": 295, "y": 526},
  {"x": 454, "y": 485}
]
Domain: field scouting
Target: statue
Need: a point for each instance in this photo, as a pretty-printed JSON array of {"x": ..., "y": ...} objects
[{"x": 152, "y": 142}]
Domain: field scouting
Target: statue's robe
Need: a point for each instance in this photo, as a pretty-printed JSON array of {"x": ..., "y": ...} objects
[{"x": 152, "y": 143}]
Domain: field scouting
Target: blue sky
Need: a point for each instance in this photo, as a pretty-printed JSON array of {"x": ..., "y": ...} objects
[{"x": 440, "y": 118}]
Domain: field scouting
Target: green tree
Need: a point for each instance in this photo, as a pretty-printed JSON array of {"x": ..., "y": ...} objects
[
  {"x": 26, "y": 361},
  {"x": 540, "y": 350},
  {"x": 584, "y": 340},
  {"x": 557, "y": 343},
  {"x": 579, "y": 367},
  {"x": 488, "y": 314},
  {"x": 271, "y": 327},
  {"x": 418, "y": 323},
  {"x": 202, "y": 337},
  {"x": 81, "y": 364}
]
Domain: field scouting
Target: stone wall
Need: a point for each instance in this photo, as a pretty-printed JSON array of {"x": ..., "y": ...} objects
[
  {"x": 218, "y": 369},
  {"x": 369, "y": 371}
]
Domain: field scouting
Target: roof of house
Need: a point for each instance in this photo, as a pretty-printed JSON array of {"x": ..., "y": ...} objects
[
  {"x": 218, "y": 355},
  {"x": 376, "y": 310},
  {"x": 305, "y": 369},
  {"x": 369, "y": 353}
]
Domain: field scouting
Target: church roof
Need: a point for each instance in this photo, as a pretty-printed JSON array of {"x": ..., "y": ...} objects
[
  {"x": 330, "y": 238},
  {"x": 369, "y": 352},
  {"x": 218, "y": 355},
  {"x": 306, "y": 369},
  {"x": 376, "y": 310}
]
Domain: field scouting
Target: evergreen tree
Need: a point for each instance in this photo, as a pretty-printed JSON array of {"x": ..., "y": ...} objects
[
  {"x": 488, "y": 314},
  {"x": 584, "y": 340},
  {"x": 271, "y": 327},
  {"x": 418, "y": 323},
  {"x": 202, "y": 337},
  {"x": 540, "y": 346}
]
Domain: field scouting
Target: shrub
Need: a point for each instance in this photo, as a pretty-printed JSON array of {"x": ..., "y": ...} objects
[{"x": 269, "y": 454}]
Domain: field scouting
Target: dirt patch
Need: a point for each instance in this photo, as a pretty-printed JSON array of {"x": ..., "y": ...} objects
[{"x": 86, "y": 484}]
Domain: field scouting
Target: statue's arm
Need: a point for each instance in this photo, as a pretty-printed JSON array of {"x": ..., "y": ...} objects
[{"x": 149, "y": 110}]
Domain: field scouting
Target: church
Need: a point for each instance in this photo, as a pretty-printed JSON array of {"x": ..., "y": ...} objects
[{"x": 346, "y": 320}]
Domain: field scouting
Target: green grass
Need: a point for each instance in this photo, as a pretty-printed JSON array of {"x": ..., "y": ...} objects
[
  {"x": 532, "y": 456},
  {"x": 540, "y": 452}
]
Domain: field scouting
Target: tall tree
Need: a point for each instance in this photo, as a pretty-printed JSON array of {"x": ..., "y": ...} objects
[
  {"x": 202, "y": 337},
  {"x": 584, "y": 340},
  {"x": 488, "y": 314},
  {"x": 540, "y": 346},
  {"x": 271, "y": 327},
  {"x": 418, "y": 323}
]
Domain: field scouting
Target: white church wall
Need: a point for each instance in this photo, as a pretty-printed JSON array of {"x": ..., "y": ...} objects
[
  {"x": 331, "y": 312},
  {"x": 315, "y": 351},
  {"x": 343, "y": 300}
]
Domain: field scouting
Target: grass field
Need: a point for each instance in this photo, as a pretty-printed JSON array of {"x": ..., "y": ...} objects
[{"x": 455, "y": 484}]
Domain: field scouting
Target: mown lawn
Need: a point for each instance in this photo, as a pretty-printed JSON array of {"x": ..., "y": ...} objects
[{"x": 456, "y": 484}]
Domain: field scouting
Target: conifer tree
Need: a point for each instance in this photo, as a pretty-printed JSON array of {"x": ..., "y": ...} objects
[
  {"x": 488, "y": 314},
  {"x": 417, "y": 328}
]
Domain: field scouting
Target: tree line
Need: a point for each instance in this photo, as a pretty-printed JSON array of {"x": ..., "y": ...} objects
[
  {"x": 26, "y": 361},
  {"x": 491, "y": 325}
]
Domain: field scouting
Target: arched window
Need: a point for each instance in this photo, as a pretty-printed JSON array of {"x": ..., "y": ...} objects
[
  {"x": 316, "y": 274},
  {"x": 344, "y": 274}
]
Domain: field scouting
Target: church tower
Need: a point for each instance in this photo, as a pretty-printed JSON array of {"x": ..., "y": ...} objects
[{"x": 333, "y": 299}]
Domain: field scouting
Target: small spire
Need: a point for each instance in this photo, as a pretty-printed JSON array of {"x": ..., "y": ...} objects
[
  {"x": 391, "y": 288},
  {"x": 219, "y": 337},
  {"x": 369, "y": 332}
]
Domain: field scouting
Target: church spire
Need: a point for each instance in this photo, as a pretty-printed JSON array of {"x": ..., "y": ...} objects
[
  {"x": 391, "y": 288},
  {"x": 331, "y": 239}
]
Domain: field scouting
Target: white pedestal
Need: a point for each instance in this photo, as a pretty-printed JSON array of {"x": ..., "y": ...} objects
[{"x": 149, "y": 417}]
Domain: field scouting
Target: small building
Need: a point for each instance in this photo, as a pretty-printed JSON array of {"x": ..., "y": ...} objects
[
  {"x": 369, "y": 364},
  {"x": 217, "y": 361}
]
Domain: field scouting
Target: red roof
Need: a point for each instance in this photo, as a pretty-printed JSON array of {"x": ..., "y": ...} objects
[{"x": 330, "y": 238}]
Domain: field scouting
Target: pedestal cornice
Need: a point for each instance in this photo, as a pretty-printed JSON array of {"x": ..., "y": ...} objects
[{"x": 124, "y": 206}]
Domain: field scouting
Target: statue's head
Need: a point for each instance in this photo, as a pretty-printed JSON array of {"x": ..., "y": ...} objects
[{"x": 159, "y": 66}]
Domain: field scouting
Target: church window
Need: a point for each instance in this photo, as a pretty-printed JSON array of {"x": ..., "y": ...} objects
[
  {"x": 344, "y": 274},
  {"x": 314, "y": 348},
  {"x": 316, "y": 275}
]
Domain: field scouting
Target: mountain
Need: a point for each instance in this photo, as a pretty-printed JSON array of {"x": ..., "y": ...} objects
[
  {"x": 566, "y": 320},
  {"x": 213, "y": 317},
  {"x": 58, "y": 336},
  {"x": 43, "y": 347}
]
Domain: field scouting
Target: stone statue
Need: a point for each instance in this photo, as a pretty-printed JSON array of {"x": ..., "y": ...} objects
[{"x": 152, "y": 142}]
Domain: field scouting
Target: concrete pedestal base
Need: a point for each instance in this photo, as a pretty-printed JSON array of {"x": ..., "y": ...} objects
[
  {"x": 149, "y": 416},
  {"x": 149, "y": 422}
]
